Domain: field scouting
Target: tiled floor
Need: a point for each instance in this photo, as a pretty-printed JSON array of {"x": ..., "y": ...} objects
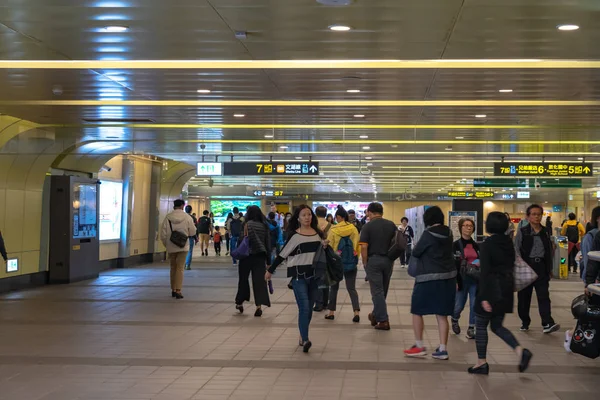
[{"x": 123, "y": 337}]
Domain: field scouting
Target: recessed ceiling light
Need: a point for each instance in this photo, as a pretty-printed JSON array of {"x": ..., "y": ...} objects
[
  {"x": 269, "y": 136},
  {"x": 480, "y": 115},
  {"x": 366, "y": 148},
  {"x": 567, "y": 27},
  {"x": 298, "y": 158},
  {"x": 449, "y": 148},
  {"x": 459, "y": 137},
  {"x": 505, "y": 90},
  {"x": 283, "y": 147},
  {"x": 363, "y": 136},
  {"x": 116, "y": 28},
  {"x": 359, "y": 115},
  {"x": 368, "y": 158},
  {"x": 353, "y": 90},
  {"x": 203, "y": 90},
  {"x": 451, "y": 185},
  {"x": 239, "y": 115},
  {"x": 339, "y": 28},
  {"x": 369, "y": 164},
  {"x": 580, "y": 158}
]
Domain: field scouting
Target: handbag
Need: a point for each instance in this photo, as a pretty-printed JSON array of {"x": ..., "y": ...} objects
[
  {"x": 586, "y": 339},
  {"x": 413, "y": 266},
  {"x": 472, "y": 271},
  {"x": 179, "y": 239},
  {"x": 243, "y": 249},
  {"x": 524, "y": 274}
]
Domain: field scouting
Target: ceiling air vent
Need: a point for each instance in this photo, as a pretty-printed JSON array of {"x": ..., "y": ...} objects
[{"x": 119, "y": 120}]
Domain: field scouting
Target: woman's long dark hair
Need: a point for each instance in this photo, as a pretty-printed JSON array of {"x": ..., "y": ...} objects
[
  {"x": 255, "y": 214},
  {"x": 294, "y": 224}
]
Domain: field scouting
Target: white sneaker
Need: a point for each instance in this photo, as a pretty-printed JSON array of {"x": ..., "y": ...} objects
[
  {"x": 568, "y": 339},
  {"x": 402, "y": 266}
]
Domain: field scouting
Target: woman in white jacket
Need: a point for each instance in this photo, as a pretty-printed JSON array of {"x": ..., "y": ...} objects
[{"x": 177, "y": 221}]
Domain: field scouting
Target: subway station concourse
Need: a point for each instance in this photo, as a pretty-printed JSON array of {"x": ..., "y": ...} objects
[{"x": 112, "y": 110}]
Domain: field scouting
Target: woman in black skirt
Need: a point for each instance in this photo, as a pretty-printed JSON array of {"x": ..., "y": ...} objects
[
  {"x": 255, "y": 228},
  {"x": 432, "y": 266},
  {"x": 495, "y": 296}
]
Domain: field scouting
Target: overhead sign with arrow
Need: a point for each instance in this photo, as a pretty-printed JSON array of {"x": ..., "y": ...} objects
[
  {"x": 209, "y": 169},
  {"x": 270, "y": 168},
  {"x": 543, "y": 169}
]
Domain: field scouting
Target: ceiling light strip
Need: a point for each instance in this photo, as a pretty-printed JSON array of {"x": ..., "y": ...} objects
[
  {"x": 305, "y": 103},
  {"x": 375, "y": 142},
  {"x": 308, "y": 126},
  {"x": 299, "y": 64}
]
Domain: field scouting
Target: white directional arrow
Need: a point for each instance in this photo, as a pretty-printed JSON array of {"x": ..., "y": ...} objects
[{"x": 313, "y": 169}]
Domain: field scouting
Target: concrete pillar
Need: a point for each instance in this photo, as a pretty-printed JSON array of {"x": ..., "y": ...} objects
[
  {"x": 153, "y": 221},
  {"x": 126, "y": 223}
]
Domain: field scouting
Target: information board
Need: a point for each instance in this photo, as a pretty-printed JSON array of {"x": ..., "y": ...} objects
[
  {"x": 543, "y": 169},
  {"x": 477, "y": 195},
  {"x": 270, "y": 168},
  {"x": 455, "y": 216},
  {"x": 268, "y": 193}
]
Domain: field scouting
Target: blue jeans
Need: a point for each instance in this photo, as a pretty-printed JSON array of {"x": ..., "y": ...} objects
[
  {"x": 188, "y": 260},
  {"x": 234, "y": 245},
  {"x": 305, "y": 291},
  {"x": 469, "y": 290}
]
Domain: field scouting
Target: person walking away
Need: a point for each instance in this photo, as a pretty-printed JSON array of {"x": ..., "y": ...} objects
[
  {"x": 204, "y": 229},
  {"x": 235, "y": 229},
  {"x": 375, "y": 240},
  {"x": 466, "y": 251},
  {"x": 409, "y": 234},
  {"x": 533, "y": 245},
  {"x": 588, "y": 244},
  {"x": 255, "y": 227},
  {"x": 434, "y": 292},
  {"x": 343, "y": 237},
  {"x": 192, "y": 239},
  {"x": 298, "y": 253},
  {"x": 324, "y": 226},
  {"x": 574, "y": 231},
  {"x": 549, "y": 224},
  {"x": 495, "y": 297},
  {"x": 211, "y": 216},
  {"x": 177, "y": 221},
  {"x": 3, "y": 249},
  {"x": 217, "y": 239},
  {"x": 276, "y": 236}
]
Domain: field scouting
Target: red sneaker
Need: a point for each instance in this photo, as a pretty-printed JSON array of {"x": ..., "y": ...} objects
[{"x": 415, "y": 352}]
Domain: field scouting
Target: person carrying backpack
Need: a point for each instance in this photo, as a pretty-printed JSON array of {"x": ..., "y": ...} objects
[
  {"x": 235, "y": 230},
  {"x": 343, "y": 237},
  {"x": 204, "y": 228},
  {"x": 574, "y": 231}
]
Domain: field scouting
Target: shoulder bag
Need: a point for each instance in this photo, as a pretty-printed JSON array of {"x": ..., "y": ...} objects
[
  {"x": 179, "y": 239},
  {"x": 243, "y": 249},
  {"x": 524, "y": 274}
]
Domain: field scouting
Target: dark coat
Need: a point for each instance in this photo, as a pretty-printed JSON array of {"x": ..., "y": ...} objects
[
  {"x": 259, "y": 237},
  {"x": 459, "y": 256},
  {"x": 433, "y": 255},
  {"x": 497, "y": 282}
]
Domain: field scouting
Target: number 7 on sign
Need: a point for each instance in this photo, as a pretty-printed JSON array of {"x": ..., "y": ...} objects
[{"x": 258, "y": 168}]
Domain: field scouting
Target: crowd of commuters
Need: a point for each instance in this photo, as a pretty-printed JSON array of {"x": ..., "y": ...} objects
[{"x": 447, "y": 272}]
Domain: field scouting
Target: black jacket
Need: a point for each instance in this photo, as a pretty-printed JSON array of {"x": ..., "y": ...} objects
[
  {"x": 497, "y": 281},
  {"x": 592, "y": 269},
  {"x": 458, "y": 257},
  {"x": 259, "y": 237},
  {"x": 2, "y": 248},
  {"x": 434, "y": 253},
  {"x": 527, "y": 245}
]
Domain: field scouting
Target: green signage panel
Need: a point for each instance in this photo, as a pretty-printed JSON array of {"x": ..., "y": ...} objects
[
  {"x": 527, "y": 183},
  {"x": 543, "y": 169}
]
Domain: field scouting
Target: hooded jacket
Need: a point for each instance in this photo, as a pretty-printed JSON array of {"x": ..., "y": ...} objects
[
  {"x": 343, "y": 229},
  {"x": 435, "y": 260},
  {"x": 497, "y": 281},
  {"x": 181, "y": 222}
]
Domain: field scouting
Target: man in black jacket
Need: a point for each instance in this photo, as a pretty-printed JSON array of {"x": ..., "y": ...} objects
[{"x": 533, "y": 245}]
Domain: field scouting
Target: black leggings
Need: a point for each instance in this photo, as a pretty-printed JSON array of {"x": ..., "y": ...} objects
[{"x": 481, "y": 333}]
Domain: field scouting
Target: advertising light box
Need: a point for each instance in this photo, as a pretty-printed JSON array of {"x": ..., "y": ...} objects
[{"x": 111, "y": 206}]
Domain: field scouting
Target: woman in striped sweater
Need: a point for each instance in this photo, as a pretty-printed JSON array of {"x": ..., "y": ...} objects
[{"x": 304, "y": 239}]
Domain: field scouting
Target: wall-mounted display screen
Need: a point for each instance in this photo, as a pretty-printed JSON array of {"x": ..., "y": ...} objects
[
  {"x": 84, "y": 211},
  {"x": 220, "y": 208},
  {"x": 359, "y": 208},
  {"x": 111, "y": 203},
  {"x": 12, "y": 265}
]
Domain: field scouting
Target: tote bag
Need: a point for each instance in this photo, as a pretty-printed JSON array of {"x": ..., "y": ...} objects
[
  {"x": 243, "y": 249},
  {"x": 524, "y": 274}
]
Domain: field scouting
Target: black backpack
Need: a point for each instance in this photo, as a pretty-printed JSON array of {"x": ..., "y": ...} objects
[
  {"x": 573, "y": 233},
  {"x": 397, "y": 246},
  {"x": 204, "y": 225},
  {"x": 235, "y": 227}
]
